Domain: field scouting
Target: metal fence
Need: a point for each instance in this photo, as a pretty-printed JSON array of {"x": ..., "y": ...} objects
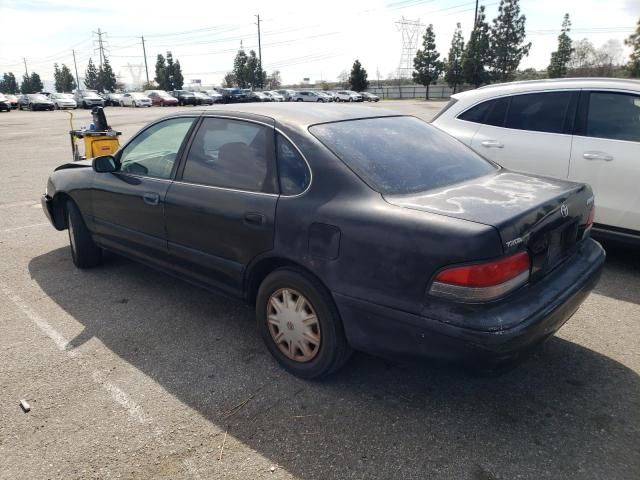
[{"x": 416, "y": 91}]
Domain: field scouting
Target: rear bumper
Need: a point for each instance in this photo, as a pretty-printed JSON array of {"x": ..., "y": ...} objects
[{"x": 389, "y": 332}]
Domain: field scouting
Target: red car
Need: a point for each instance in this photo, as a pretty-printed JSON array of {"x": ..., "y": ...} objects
[{"x": 161, "y": 98}]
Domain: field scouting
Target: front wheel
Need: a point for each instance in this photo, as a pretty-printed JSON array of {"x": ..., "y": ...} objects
[
  {"x": 84, "y": 252},
  {"x": 300, "y": 324}
]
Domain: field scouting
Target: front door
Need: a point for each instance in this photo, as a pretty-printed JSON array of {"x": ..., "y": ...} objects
[
  {"x": 128, "y": 204},
  {"x": 220, "y": 211},
  {"x": 606, "y": 155}
]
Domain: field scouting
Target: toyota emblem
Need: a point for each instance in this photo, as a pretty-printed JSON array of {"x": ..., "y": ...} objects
[{"x": 564, "y": 210}]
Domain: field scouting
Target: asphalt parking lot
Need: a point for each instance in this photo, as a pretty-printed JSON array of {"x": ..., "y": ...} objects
[{"x": 133, "y": 374}]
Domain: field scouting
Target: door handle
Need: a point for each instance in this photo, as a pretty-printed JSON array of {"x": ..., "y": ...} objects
[
  {"x": 254, "y": 219},
  {"x": 605, "y": 157},
  {"x": 151, "y": 198},
  {"x": 492, "y": 144}
]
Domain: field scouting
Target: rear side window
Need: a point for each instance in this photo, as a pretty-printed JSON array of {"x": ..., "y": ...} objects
[
  {"x": 477, "y": 113},
  {"x": 401, "y": 155},
  {"x": 614, "y": 115},
  {"x": 538, "y": 112},
  {"x": 232, "y": 154},
  {"x": 292, "y": 169}
]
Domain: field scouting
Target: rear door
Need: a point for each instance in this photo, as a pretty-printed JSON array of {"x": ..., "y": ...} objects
[
  {"x": 529, "y": 132},
  {"x": 128, "y": 205},
  {"x": 220, "y": 211},
  {"x": 606, "y": 155}
]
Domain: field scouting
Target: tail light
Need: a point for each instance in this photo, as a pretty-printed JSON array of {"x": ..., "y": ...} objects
[
  {"x": 484, "y": 281},
  {"x": 590, "y": 218}
]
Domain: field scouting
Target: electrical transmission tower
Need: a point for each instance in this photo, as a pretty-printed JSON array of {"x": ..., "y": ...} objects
[
  {"x": 101, "y": 45},
  {"x": 136, "y": 74},
  {"x": 410, "y": 31}
]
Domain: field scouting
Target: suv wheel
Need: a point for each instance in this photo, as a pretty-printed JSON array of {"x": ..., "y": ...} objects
[
  {"x": 300, "y": 324},
  {"x": 84, "y": 252}
]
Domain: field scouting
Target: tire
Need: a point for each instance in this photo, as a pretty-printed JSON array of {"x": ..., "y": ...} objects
[
  {"x": 298, "y": 99},
  {"x": 332, "y": 350},
  {"x": 350, "y": 99},
  {"x": 84, "y": 252}
]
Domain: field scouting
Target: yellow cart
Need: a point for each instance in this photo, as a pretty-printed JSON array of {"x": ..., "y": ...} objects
[{"x": 102, "y": 140}]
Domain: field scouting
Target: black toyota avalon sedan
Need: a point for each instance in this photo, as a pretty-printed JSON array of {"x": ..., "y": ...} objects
[{"x": 347, "y": 228}]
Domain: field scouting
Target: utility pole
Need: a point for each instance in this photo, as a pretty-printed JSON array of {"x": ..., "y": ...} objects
[
  {"x": 144, "y": 52},
  {"x": 260, "y": 54},
  {"x": 100, "y": 45},
  {"x": 475, "y": 19},
  {"x": 76, "y": 67},
  {"x": 25, "y": 66}
]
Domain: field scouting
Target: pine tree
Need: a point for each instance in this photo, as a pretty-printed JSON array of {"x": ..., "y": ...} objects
[
  {"x": 25, "y": 86},
  {"x": 161, "y": 73},
  {"x": 252, "y": 70},
  {"x": 91, "y": 80},
  {"x": 507, "y": 40},
  {"x": 561, "y": 57},
  {"x": 240, "y": 68},
  {"x": 358, "y": 77},
  {"x": 477, "y": 56},
  {"x": 57, "y": 79},
  {"x": 426, "y": 64},
  {"x": 634, "y": 59},
  {"x": 453, "y": 73},
  {"x": 8, "y": 83},
  {"x": 169, "y": 72},
  {"x": 68, "y": 83},
  {"x": 35, "y": 83},
  {"x": 229, "y": 80},
  {"x": 178, "y": 79},
  {"x": 106, "y": 77}
]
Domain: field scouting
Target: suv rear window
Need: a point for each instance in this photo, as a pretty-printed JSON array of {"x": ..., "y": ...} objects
[{"x": 401, "y": 155}]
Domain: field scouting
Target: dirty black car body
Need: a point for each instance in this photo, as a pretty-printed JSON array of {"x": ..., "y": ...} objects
[{"x": 349, "y": 228}]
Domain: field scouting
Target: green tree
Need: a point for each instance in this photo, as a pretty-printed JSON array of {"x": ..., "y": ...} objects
[
  {"x": 252, "y": 70},
  {"x": 633, "y": 67},
  {"x": 229, "y": 80},
  {"x": 8, "y": 83},
  {"x": 240, "y": 69},
  {"x": 63, "y": 80},
  {"x": 358, "y": 78},
  {"x": 560, "y": 58},
  {"x": 161, "y": 73},
  {"x": 91, "y": 80},
  {"x": 106, "y": 78},
  {"x": 25, "y": 86},
  {"x": 35, "y": 82},
  {"x": 426, "y": 64},
  {"x": 477, "y": 56},
  {"x": 507, "y": 40},
  {"x": 176, "y": 74},
  {"x": 453, "y": 64},
  {"x": 274, "y": 81}
]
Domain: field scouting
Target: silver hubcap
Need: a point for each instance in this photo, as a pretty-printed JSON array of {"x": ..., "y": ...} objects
[{"x": 293, "y": 325}]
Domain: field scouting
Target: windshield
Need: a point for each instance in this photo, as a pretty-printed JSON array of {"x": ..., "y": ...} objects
[
  {"x": 401, "y": 155},
  {"x": 138, "y": 95},
  {"x": 40, "y": 98},
  {"x": 2, "y": 97},
  {"x": 90, "y": 95}
]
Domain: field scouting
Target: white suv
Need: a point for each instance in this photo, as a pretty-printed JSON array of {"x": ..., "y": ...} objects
[
  {"x": 348, "y": 96},
  {"x": 585, "y": 130}
]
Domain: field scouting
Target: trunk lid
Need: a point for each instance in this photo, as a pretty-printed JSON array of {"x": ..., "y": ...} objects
[{"x": 547, "y": 216}]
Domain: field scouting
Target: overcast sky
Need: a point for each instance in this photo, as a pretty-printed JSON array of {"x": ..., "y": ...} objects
[{"x": 299, "y": 39}]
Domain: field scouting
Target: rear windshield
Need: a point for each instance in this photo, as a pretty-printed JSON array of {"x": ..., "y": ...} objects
[{"x": 401, "y": 155}]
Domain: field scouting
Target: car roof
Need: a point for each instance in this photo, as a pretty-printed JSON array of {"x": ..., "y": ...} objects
[
  {"x": 296, "y": 115},
  {"x": 498, "y": 89}
]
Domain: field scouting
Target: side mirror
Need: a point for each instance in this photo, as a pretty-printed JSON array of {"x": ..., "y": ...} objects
[{"x": 104, "y": 164}]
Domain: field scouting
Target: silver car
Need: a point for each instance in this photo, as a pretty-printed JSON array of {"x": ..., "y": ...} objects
[
  {"x": 287, "y": 94},
  {"x": 63, "y": 100},
  {"x": 307, "y": 96}
]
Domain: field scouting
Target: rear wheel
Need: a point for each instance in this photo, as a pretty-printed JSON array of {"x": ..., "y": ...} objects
[
  {"x": 300, "y": 324},
  {"x": 84, "y": 252},
  {"x": 298, "y": 99}
]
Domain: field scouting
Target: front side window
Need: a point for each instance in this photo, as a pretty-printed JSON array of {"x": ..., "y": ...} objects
[
  {"x": 401, "y": 155},
  {"x": 153, "y": 153},
  {"x": 292, "y": 169},
  {"x": 539, "y": 112},
  {"x": 614, "y": 115},
  {"x": 232, "y": 154}
]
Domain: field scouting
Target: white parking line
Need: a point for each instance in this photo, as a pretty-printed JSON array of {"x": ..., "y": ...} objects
[
  {"x": 117, "y": 394},
  {"x": 14, "y": 229}
]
